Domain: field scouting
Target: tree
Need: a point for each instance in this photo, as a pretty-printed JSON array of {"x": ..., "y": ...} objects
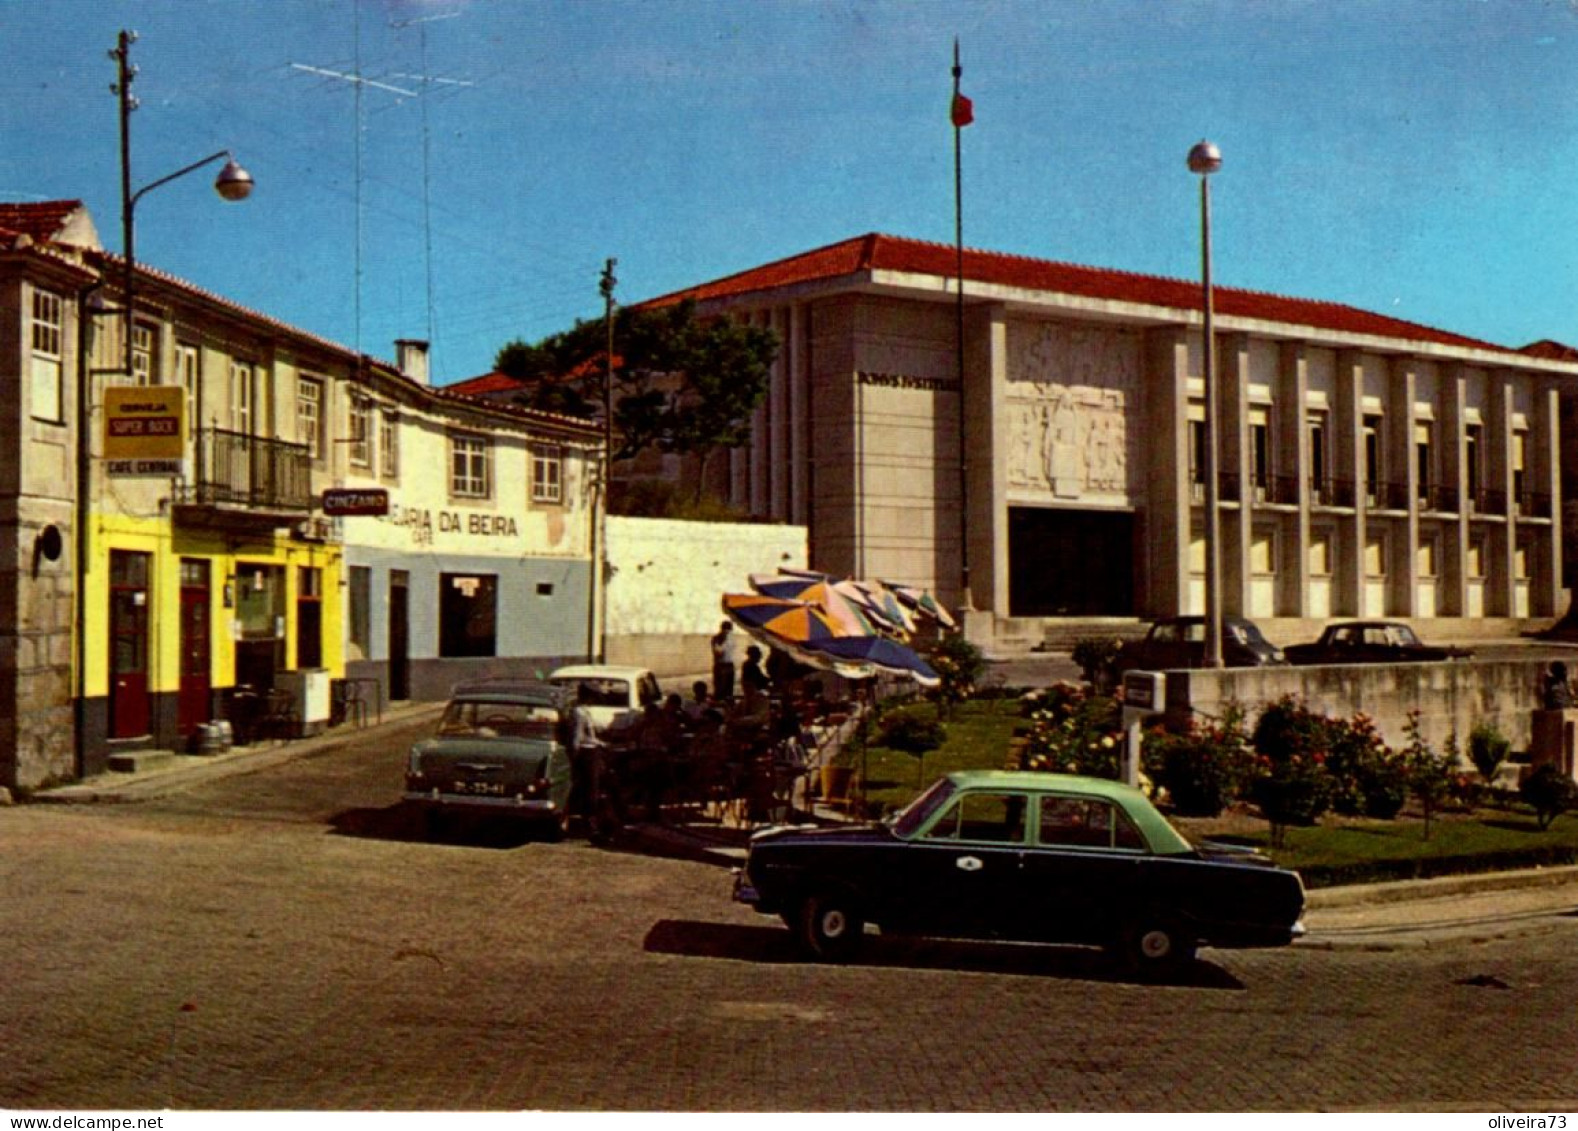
[{"x": 681, "y": 384}]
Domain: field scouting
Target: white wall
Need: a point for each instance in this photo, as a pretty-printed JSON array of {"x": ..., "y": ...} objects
[{"x": 669, "y": 577}]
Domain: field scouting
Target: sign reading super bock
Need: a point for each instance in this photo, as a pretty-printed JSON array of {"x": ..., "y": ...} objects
[{"x": 144, "y": 429}]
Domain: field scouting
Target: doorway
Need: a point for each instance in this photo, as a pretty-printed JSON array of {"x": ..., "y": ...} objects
[
  {"x": 129, "y": 710},
  {"x": 194, "y": 704},
  {"x": 1070, "y": 563},
  {"x": 399, "y": 634}
]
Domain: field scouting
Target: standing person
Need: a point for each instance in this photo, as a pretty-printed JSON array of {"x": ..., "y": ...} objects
[
  {"x": 751, "y": 673},
  {"x": 723, "y": 662},
  {"x": 1555, "y": 692},
  {"x": 585, "y": 755}
]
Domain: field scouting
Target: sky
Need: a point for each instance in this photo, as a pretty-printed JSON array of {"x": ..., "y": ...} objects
[{"x": 1412, "y": 157}]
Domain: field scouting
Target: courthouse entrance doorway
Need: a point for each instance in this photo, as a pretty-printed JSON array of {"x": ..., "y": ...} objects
[{"x": 1071, "y": 563}]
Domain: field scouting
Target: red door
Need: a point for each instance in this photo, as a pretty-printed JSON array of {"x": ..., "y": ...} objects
[
  {"x": 128, "y": 644},
  {"x": 194, "y": 706}
]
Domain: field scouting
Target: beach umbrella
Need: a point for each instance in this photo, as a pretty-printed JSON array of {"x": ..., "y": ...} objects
[
  {"x": 793, "y": 627},
  {"x": 880, "y": 653},
  {"x": 923, "y": 602},
  {"x": 778, "y": 621},
  {"x": 838, "y": 608},
  {"x": 887, "y": 605}
]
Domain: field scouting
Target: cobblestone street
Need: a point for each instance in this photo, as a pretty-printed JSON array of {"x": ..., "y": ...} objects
[{"x": 248, "y": 944}]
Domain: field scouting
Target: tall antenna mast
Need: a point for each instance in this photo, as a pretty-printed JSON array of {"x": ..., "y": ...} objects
[{"x": 428, "y": 80}]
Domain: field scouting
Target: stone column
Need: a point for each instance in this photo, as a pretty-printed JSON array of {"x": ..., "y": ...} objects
[
  {"x": 1348, "y": 464},
  {"x": 1293, "y": 458}
]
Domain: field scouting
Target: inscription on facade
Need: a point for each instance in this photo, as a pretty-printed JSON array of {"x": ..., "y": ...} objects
[
  {"x": 902, "y": 381},
  {"x": 424, "y": 523}
]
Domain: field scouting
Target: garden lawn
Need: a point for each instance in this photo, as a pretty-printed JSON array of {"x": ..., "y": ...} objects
[
  {"x": 1342, "y": 850},
  {"x": 1337, "y": 851}
]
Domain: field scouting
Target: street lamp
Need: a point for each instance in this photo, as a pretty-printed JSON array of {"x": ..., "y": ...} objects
[
  {"x": 1206, "y": 159},
  {"x": 233, "y": 183}
]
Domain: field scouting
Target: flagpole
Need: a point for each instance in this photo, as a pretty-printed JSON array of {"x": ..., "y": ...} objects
[{"x": 957, "y": 117}]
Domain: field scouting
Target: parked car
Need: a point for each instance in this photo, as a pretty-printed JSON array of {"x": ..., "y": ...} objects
[
  {"x": 613, "y": 695},
  {"x": 500, "y": 749},
  {"x": 1371, "y": 642},
  {"x": 1031, "y": 857},
  {"x": 1179, "y": 642}
]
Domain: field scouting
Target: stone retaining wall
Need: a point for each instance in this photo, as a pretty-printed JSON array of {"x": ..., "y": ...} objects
[{"x": 1451, "y": 697}]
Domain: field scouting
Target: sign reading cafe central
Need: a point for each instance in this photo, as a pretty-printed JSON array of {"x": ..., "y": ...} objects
[{"x": 423, "y": 522}]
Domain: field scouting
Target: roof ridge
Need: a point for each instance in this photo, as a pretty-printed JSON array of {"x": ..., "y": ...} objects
[
  {"x": 1153, "y": 277},
  {"x": 884, "y": 251}
]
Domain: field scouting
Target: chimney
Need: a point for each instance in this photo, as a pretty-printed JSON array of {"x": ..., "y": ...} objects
[{"x": 411, "y": 359}]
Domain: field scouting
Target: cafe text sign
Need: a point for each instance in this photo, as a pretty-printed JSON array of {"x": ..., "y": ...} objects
[
  {"x": 144, "y": 429},
  {"x": 423, "y": 523}
]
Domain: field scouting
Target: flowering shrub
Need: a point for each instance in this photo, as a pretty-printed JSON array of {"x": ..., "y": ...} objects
[
  {"x": 1292, "y": 785},
  {"x": 1096, "y": 656},
  {"x": 1367, "y": 776},
  {"x": 1074, "y": 730},
  {"x": 1383, "y": 781},
  {"x": 1431, "y": 776},
  {"x": 960, "y": 666},
  {"x": 1203, "y": 770},
  {"x": 1550, "y": 792}
]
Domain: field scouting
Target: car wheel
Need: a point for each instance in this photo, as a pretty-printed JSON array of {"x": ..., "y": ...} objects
[
  {"x": 1156, "y": 946},
  {"x": 829, "y": 926},
  {"x": 436, "y": 824},
  {"x": 556, "y": 826}
]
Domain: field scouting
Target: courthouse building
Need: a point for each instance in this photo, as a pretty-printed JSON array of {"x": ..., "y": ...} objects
[
  {"x": 1048, "y": 472},
  {"x": 250, "y": 514}
]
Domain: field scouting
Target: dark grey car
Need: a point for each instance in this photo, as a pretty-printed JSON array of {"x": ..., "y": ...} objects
[{"x": 1179, "y": 642}]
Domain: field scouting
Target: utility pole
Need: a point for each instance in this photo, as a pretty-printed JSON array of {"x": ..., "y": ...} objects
[
  {"x": 126, "y": 72},
  {"x": 606, "y": 286}
]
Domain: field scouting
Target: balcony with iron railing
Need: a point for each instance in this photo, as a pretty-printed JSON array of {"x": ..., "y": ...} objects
[
  {"x": 1338, "y": 493},
  {"x": 238, "y": 474},
  {"x": 1386, "y": 496},
  {"x": 1487, "y": 502},
  {"x": 1278, "y": 490},
  {"x": 1532, "y": 504},
  {"x": 1438, "y": 500}
]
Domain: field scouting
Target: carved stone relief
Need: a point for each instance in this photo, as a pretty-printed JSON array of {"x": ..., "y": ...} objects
[{"x": 1069, "y": 394}]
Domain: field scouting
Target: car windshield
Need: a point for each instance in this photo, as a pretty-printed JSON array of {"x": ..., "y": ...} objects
[
  {"x": 910, "y": 818},
  {"x": 1404, "y": 636},
  {"x": 601, "y": 692},
  {"x": 478, "y": 718},
  {"x": 1245, "y": 633}
]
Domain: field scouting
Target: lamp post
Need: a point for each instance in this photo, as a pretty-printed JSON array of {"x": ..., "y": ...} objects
[
  {"x": 1205, "y": 159},
  {"x": 233, "y": 183}
]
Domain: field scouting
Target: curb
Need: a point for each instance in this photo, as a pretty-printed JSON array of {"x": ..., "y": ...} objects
[
  {"x": 1399, "y": 891},
  {"x": 186, "y": 770}
]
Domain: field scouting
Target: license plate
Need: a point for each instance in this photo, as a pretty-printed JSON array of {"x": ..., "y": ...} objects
[{"x": 480, "y": 788}]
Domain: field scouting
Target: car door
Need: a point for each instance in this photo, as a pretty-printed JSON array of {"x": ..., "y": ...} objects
[
  {"x": 960, "y": 876},
  {"x": 1081, "y": 873},
  {"x": 1166, "y": 647},
  {"x": 1376, "y": 647}
]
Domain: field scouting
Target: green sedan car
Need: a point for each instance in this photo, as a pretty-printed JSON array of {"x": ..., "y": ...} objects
[
  {"x": 1028, "y": 857},
  {"x": 501, "y": 749}
]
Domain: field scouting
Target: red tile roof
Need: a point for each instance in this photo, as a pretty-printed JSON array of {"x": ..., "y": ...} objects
[
  {"x": 876, "y": 252},
  {"x": 486, "y": 384},
  {"x": 39, "y": 221},
  {"x": 1550, "y": 350}
]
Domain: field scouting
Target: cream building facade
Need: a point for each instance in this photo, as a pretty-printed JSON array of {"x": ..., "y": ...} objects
[
  {"x": 1047, "y": 472},
  {"x": 251, "y": 509}
]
